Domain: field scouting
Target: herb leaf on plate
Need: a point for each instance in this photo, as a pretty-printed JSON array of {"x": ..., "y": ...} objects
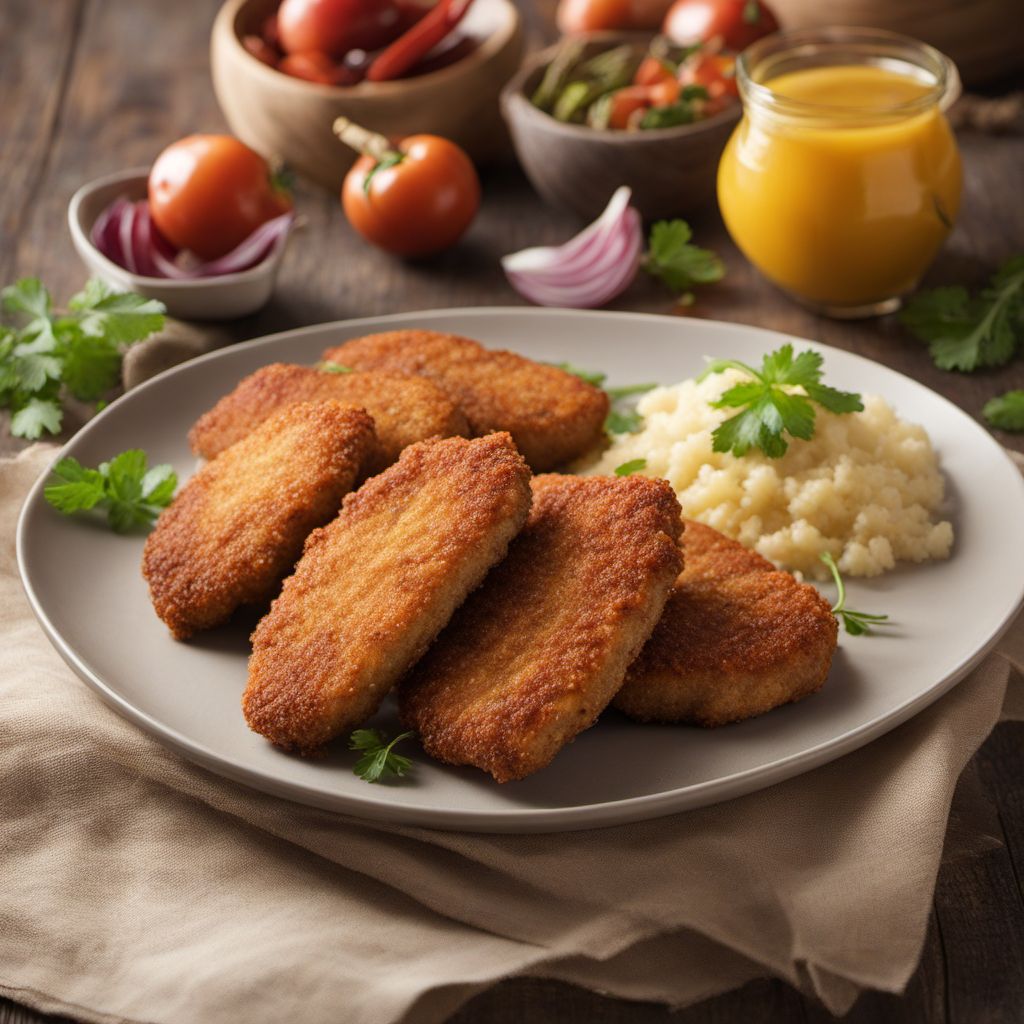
[
  {"x": 1006, "y": 411},
  {"x": 967, "y": 333},
  {"x": 131, "y": 494},
  {"x": 379, "y": 759},
  {"x": 769, "y": 411},
  {"x": 855, "y": 623},
  {"x": 622, "y": 418},
  {"x": 631, "y": 467}
]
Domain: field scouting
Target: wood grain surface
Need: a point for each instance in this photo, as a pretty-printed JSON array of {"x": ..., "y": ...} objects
[{"x": 92, "y": 86}]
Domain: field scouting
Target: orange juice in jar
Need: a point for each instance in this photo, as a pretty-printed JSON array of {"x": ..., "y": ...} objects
[{"x": 843, "y": 178}]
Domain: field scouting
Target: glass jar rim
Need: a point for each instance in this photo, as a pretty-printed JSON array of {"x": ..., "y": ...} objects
[{"x": 858, "y": 45}]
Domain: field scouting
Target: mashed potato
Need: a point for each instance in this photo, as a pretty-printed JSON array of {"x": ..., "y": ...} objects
[{"x": 865, "y": 488}]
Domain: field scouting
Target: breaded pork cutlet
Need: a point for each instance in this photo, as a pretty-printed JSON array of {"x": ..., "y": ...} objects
[
  {"x": 738, "y": 638},
  {"x": 405, "y": 409},
  {"x": 375, "y": 586},
  {"x": 535, "y": 655},
  {"x": 239, "y": 524},
  {"x": 553, "y": 416}
]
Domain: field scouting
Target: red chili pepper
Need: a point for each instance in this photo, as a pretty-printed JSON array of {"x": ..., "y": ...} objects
[{"x": 407, "y": 49}]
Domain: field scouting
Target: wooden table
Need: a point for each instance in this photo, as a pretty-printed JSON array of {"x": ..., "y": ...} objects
[{"x": 92, "y": 86}]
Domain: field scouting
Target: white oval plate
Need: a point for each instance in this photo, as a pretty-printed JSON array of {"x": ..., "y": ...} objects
[{"x": 85, "y": 586}]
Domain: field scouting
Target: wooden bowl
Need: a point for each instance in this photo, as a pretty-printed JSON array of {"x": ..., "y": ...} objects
[
  {"x": 984, "y": 38},
  {"x": 671, "y": 171},
  {"x": 290, "y": 119}
]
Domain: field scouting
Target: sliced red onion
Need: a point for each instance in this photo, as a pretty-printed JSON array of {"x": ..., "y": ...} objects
[
  {"x": 588, "y": 270},
  {"x": 125, "y": 233}
]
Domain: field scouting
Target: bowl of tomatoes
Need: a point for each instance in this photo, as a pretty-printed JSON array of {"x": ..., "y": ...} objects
[
  {"x": 603, "y": 110},
  {"x": 285, "y": 70}
]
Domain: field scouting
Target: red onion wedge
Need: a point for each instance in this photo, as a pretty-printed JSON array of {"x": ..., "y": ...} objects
[
  {"x": 588, "y": 270},
  {"x": 125, "y": 233}
]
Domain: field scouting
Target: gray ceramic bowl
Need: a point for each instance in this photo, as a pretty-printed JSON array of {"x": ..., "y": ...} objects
[{"x": 671, "y": 171}]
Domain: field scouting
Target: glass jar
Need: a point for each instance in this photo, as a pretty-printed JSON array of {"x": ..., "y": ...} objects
[{"x": 843, "y": 178}]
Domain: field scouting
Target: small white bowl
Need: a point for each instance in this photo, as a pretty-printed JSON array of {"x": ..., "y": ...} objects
[{"x": 209, "y": 298}]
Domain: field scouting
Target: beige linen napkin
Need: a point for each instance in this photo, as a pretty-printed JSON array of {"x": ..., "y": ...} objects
[{"x": 137, "y": 887}]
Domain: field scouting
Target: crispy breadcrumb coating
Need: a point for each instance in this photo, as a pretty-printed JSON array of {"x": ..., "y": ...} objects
[
  {"x": 239, "y": 524},
  {"x": 376, "y": 585}
]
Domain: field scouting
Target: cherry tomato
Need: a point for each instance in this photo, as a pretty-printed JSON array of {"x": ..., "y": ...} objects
[
  {"x": 419, "y": 205},
  {"x": 625, "y": 103},
  {"x": 605, "y": 15},
  {"x": 652, "y": 71},
  {"x": 208, "y": 193},
  {"x": 316, "y": 66},
  {"x": 733, "y": 24},
  {"x": 715, "y": 71},
  {"x": 337, "y": 26},
  {"x": 664, "y": 94},
  {"x": 261, "y": 50}
]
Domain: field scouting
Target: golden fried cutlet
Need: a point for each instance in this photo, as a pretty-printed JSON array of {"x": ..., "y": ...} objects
[
  {"x": 553, "y": 416},
  {"x": 376, "y": 586},
  {"x": 238, "y": 525},
  {"x": 738, "y": 638},
  {"x": 536, "y": 654},
  {"x": 405, "y": 408}
]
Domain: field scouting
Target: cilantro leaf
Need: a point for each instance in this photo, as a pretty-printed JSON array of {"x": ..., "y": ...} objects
[
  {"x": 330, "y": 367},
  {"x": 672, "y": 259},
  {"x": 35, "y": 416},
  {"x": 379, "y": 759},
  {"x": 631, "y": 467},
  {"x": 966, "y": 333},
  {"x": 1006, "y": 412},
  {"x": 46, "y": 354},
  {"x": 769, "y": 411},
  {"x": 855, "y": 623},
  {"x": 131, "y": 495}
]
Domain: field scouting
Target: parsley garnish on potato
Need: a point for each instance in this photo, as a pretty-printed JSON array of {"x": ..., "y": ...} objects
[
  {"x": 768, "y": 410},
  {"x": 46, "y": 354},
  {"x": 131, "y": 494},
  {"x": 379, "y": 759},
  {"x": 966, "y": 332}
]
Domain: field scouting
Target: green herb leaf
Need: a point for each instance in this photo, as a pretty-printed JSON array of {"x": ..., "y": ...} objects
[
  {"x": 131, "y": 495},
  {"x": 35, "y": 416},
  {"x": 768, "y": 411},
  {"x": 378, "y": 758},
  {"x": 633, "y": 466},
  {"x": 1006, "y": 412},
  {"x": 672, "y": 258},
  {"x": 120, "y": 318},
  {"x": 965, "y": 333},
  {"x": 670, "y": 116},
  {"x": 622, "y": 419},
  {"x": 329, "y": 367},
  {"x": 590, "y": 376},
  {"x": 855, "y": 623}
]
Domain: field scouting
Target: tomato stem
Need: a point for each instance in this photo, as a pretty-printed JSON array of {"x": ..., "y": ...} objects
[{"x": 362, "y": 140}]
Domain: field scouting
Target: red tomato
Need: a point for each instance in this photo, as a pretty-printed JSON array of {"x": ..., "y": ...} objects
[
  {"x": 316, "y": 67},
  {"x": 261, "y": 49},
  {"x": 664, "y": 94},
  {"x": 337, "y": 26},
  {"x": 603, "y": 15},
  {"x": 652, "y": 71},
  {"x": 625, "y": 103},
  {"x": 715, "y": 71},
  {"x": 208, "y": 193},
  {"x": 733, "y": 24},
  {"x": 417, "y": 206}
]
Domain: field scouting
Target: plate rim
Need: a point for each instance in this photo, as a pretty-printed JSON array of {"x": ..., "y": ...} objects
[{"x": 512, "y": 820}]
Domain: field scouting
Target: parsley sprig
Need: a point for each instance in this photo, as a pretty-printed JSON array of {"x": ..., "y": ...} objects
[
  {"x": 768, "y": 410},
  {"x": 379, "y": 759},
  {"x": 966, "y": 332},
  {"x": 631, "y": 467},
  {"x": 45, "y": 354},
  {"x": 673, "y": 259},
  {"x": 1006, "y": 411},
  {"x": 856, "y": 623},
  {"x": 131, "y": 494},
  {"x": 622, "y": 417},
  {"x": 328, "y": 366}
]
